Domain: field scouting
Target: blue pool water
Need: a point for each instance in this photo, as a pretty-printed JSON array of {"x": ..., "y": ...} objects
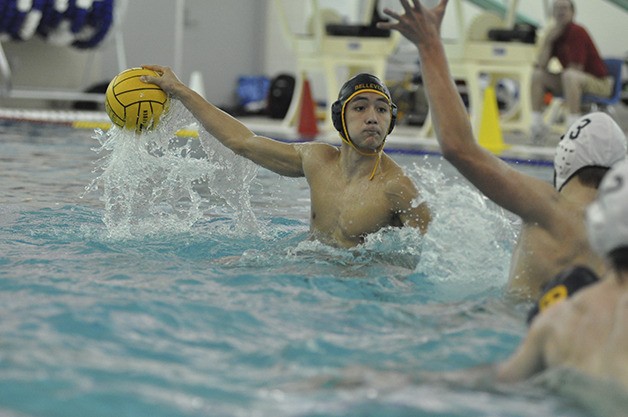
[{"x": 156, "y": 278}]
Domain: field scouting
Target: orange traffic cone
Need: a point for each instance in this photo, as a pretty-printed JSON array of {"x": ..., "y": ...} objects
[{"x": 307, "y": 116}]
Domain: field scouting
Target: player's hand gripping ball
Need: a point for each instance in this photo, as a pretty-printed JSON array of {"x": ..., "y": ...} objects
[{"x": 132, "y": 104}]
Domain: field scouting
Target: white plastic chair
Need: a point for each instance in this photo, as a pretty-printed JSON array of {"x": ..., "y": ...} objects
[{"x": 318, "y": 51}]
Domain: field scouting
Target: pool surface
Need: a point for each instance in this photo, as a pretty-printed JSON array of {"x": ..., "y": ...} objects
[{"x": 150, "y": 277}]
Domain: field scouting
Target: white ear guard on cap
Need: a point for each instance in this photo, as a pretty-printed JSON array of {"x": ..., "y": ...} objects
[{"x": 607, "y": 216}]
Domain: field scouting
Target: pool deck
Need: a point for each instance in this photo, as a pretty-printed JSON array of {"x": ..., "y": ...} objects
[
  {"x": 411, "y": 139},
  {"x": 403, "y": 139}
]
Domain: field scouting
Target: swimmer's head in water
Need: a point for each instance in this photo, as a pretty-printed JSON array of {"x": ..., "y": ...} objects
[
  {"x": 594, "y": 140},
  {"x": 607, "y": 216},
  {"x": 361, "y": 83}
]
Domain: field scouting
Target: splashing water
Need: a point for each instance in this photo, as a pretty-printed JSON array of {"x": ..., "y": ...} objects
[
  {"x": 470, "y": 239},
  {"x": 156, "y": 183}
]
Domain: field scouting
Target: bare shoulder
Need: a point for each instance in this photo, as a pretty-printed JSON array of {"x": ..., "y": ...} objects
[
  {"x": 545, "y": 335},
  {"x": 400, "y": 188},
  {"x": 317, "y": 150},
  {"x": 394, "y": 175},
  {"x": 562, "y": 216},
  {"x": 314, "y": 156}
]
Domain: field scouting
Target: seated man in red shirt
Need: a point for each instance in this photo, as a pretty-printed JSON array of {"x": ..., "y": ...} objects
[{"x": 583, "y": 70}]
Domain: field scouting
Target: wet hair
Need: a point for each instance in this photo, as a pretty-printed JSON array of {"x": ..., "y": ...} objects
[
  {"x": 619, "y": 258},
  {"x": 591, "y": 176}
]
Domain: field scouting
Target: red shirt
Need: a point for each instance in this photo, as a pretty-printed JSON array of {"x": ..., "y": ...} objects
[{"x": 575, "y": 46}]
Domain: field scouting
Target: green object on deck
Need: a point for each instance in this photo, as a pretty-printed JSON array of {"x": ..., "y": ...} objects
[
  {"x": 495, "y": 6},
  {"x": 620, "y": 3}
]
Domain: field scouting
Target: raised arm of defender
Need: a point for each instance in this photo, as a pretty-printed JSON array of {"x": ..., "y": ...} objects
[{"x": 493, "y": 177}]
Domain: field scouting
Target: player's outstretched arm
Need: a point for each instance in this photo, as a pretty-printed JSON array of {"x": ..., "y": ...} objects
[{"x": 282, "y": 158}]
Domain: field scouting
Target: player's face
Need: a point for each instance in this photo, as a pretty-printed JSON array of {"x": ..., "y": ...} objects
[{"x": 368, "y": 116}]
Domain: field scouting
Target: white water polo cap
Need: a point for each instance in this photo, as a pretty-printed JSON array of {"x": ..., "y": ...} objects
[
  {"x": 607, "y": 216},
  {"x": 594, "y": 140}
]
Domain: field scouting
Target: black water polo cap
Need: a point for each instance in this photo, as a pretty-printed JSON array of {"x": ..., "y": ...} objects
[{"x": 361, "y": 83}]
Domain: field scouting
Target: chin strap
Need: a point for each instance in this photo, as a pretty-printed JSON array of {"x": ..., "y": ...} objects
[
  {"x": 377, "y": 153},
  {"x": 379, "y": 157}
]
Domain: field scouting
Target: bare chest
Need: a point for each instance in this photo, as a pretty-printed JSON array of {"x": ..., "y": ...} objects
[{"x": 351, "y": 211}]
